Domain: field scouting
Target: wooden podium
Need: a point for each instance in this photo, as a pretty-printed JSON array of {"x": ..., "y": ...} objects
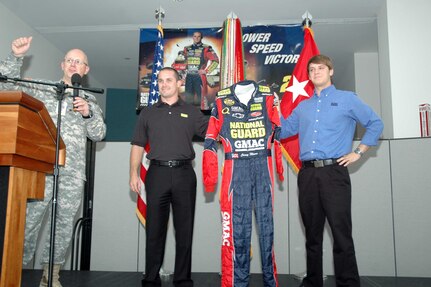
[{"x": 27, "y": 154}]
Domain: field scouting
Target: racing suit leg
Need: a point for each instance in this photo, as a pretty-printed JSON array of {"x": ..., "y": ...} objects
[
  {"x": 263, "y": 206},
  {"x": 236, "y": 209},
  {"x": 197, "y": 89},
  {"x": 188, "y": 89},
  {"x": 193, "y": 89},
  {"x": 247, "y": 185}
]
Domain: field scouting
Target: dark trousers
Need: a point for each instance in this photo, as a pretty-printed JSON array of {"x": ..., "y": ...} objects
[
  {"x": 166, "y": 187},
  {"x": 325, "y": 193}
]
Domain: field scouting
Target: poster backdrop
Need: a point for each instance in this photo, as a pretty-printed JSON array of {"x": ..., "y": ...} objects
[{"x": 271, "y": 53}]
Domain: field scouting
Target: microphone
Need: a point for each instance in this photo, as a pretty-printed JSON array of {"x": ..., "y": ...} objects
[
  {"x": 76, "y": 82},
  {"x": 96, "y": 90}
]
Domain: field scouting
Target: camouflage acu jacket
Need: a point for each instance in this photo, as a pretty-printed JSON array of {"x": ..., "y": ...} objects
[{"x": 74, "y": 128}]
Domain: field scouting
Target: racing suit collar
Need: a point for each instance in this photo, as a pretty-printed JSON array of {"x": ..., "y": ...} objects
[
  {"x": 198, "y": 45},
  {"x": 244, "y": 83}
]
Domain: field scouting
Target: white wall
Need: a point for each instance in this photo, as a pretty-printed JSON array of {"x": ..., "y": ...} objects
[
  {"x": 12, "y": 27},
  {"x": 367, "y": 83},
  {"x": 411, "y": 199},
  {"x": 403, "y": 29},
  {"x": 408, "y": 44},
  {"x": 385, "y": 73},
  {"x": 344, "y": 75},
  {"x": 367, "y": 79}
]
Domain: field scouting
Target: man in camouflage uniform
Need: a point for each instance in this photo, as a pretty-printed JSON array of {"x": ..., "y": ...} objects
[{"x": 81, "y": 118}]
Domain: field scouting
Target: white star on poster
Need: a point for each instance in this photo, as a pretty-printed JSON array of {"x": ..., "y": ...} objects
[{"x": 297, "y": 89}]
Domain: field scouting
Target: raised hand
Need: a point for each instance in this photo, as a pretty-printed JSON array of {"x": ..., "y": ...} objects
[{"x": 21, "y": 45}]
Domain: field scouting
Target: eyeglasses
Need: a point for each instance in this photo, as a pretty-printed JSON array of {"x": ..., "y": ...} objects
[{"x": 77, "y": 62}]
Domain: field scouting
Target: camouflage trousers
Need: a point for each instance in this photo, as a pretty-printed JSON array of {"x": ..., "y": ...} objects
[{"x": 70, "y": 190}]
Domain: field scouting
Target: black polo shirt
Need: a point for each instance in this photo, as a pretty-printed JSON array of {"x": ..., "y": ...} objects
[{"x": 169, "y": 129}]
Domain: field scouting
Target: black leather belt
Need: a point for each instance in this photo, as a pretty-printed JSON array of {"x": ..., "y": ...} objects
[
  {"x": 171, "y": 163},
  {"x": 319, "y": 162}
]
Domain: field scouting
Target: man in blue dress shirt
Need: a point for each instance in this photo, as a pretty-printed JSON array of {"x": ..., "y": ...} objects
[{"x": 326, "y": 124}]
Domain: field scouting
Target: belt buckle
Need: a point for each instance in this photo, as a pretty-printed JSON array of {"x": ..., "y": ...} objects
[
  {"x": 318, "y": 163},
  {"x": 170, "y": 163}
]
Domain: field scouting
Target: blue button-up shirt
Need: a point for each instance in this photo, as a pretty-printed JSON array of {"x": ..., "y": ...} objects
[{"x": 326, "y": 124}]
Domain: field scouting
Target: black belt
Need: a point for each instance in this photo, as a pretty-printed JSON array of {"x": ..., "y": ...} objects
[
  {"x": 170, "y": 163},
  {"x": 319, "y": 162}
]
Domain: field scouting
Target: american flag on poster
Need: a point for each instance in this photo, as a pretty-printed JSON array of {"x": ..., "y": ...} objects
[
  {"x": 141, "y": 204},
  {"x": 299, "y": 88}
]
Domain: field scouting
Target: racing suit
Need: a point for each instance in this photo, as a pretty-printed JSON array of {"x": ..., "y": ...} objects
[
  {"x": 246, "y": 128},
  {"x": 197, "y": 58}
]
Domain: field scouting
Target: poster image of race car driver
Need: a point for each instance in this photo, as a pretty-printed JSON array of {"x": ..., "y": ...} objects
[
  {"x": 200, "y": 60},
  {"x": 246, "y": 120}
]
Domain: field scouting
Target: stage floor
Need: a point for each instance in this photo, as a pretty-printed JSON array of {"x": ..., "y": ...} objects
[{"x": 31, "y": 278}]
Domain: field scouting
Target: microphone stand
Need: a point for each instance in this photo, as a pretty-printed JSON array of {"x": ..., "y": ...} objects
[
  {"x": 61, "y": 84},
  {"x": 60, "y": 91}
]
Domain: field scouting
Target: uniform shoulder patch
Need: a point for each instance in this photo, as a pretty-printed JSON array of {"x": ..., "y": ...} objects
[
  {"x": 223, "y": 92},
  {"x": 264, "y": 89}
]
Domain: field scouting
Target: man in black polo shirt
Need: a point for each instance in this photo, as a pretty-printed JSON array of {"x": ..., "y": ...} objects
[{"x": 169, "y": 127}]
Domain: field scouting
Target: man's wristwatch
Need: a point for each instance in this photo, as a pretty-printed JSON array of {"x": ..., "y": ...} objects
[
  {"x": 90, "y": 114},
  {"x": 358, "y": 151}
]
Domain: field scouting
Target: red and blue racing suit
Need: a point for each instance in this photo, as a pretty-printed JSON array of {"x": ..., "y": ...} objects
[{"x": 247, "y": 133}]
